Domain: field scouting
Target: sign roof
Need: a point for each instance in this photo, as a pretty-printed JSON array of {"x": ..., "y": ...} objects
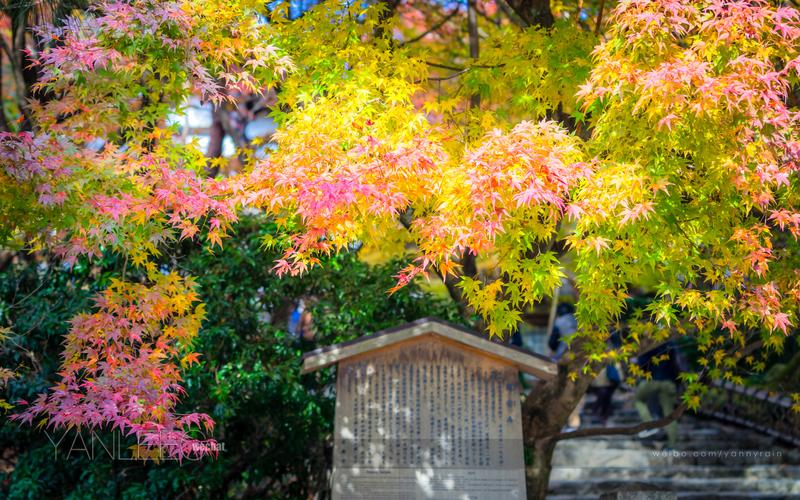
[{"x": 523, "y": 360}]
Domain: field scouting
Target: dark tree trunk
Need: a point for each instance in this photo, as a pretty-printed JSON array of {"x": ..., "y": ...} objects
[
  {"x": 545, "y": 412},
  {"x": 474, "y": 43},
  {"x": 533, "y": 12},
  {"x": 537, "y": 476},
  {"x": 540, "y": 420},
  {"x": 390, "y": 7},
  {"x": 786, "y": 376},
  {"x": 216, "y": 135},
  {"x": 18, "y": 61},
  {"x": 4, "y": 127}
]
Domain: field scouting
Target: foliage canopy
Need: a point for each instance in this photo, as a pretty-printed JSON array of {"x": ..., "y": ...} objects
[{"x": 664, "y": 154}]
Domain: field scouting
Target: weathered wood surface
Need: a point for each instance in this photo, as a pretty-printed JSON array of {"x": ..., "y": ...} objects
[{"x": 427, "y": 418}]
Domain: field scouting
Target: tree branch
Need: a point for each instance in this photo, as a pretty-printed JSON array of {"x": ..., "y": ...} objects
[
  {"x": 444, "y": 78},
  {"x": 445, "y": 66},
  {"x": 460, "y": 68},
  {"x": 623, "y": 430},
  {"x": 578, "y": 10},
  {"x": 406, "y": 219},
  {"x": 599, "y": 17},
  {"x": 238, "y": 137},
  {"x": 484, "y": 15},
  {"x": 508, "y": 11},
  {"x": 433, "y": 28}
]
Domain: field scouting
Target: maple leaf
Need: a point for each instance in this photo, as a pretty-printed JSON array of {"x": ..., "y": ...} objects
[
  {"x": 598, "y": 243},
  {"x": 190, "y": 359},
  {"x": 730, "y": 325},
  {"x": 780, "y": 321},
  {"x": 667, "y": 121}
]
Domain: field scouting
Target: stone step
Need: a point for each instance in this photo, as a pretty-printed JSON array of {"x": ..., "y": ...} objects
[
  {"x": 722, "y": 445},
  {"x": 733, "y": 495},
  {"x": 700, "y": 435},
  {"x": 783, "y": 486},
  {"x": 688, "y": 431},
  {"x": 698, "y": 495},
  {"x": 711, "y": 461},
  {"x": 687, "y": 421},
  {"x": 691, "y": 444},
  {"x": 685, "y": 441}
]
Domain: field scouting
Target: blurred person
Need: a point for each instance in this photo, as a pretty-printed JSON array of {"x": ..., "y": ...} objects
[
  {"x": 603, "y": 387},
  {"x": 301, "y": 326},
  {"x": 565, "y": 325},
  {"x": 606, "y": 383},
  {"x": 661, "y": 388}
]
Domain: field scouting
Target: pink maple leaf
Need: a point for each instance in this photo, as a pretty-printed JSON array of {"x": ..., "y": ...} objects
[{"x": 780, "y": 321}]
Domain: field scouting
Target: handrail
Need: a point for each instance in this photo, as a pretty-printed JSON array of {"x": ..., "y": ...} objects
[{"x": 752, "y": 407}]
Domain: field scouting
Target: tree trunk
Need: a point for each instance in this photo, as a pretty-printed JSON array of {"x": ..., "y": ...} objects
[
  {"x": 533, "y": 12},
  {"x": 389, "y": 10},
  {"x": 474, "y": 44},
  {"x": 4, "y": 127},
  {"x": 216, "y": 136},
  {"x": 537, "y": 476},
  {"x": 540, "y": 421},
  {"x": 545, "y": 412}
]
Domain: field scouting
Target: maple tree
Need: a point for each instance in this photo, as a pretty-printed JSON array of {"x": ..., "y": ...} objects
[
  {"x": 273, "y": 424},
  {"x": 662, "y": 154}
]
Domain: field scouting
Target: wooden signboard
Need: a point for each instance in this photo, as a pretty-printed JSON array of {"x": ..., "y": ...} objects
[{"x": 426, "y": 411}]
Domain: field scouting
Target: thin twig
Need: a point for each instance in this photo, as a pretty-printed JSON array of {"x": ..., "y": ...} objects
[
  {"x": 599, "y": 17},
  {"x": 459, "y": 68},
  {"x": 444, "y": 66},
  {"x": 42, "y": 281},
  {"x": 484, "y": 15},
  {"x": 578, "y": 10},
  {"x": 449, "y": 77},
  {"x": 433, "y": 28}
]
